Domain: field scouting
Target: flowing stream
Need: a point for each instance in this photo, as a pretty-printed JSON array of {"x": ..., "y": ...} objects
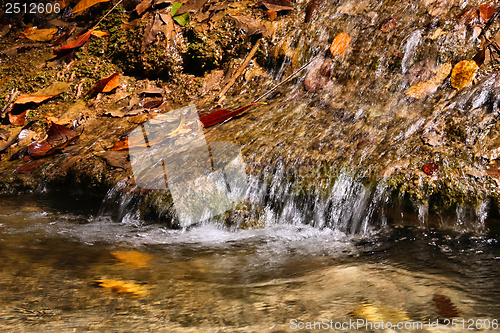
[{"x": 211, "y": 279}]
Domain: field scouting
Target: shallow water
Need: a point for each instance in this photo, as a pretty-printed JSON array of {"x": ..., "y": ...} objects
[{"x": 210, "y": 279}]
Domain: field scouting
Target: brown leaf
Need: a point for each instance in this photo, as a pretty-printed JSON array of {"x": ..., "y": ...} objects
[
  {"x": 18, "y": 119},
  {"x": 105, "y": 85},
  {"x": 275, "y": 7},
  {"x": 340, "y": 43},
  {"x": 39, "y": 149},
  {"x": 422, "y": 89},
  {"x": 84, "y": 4},
  {"x": 151, "y": 31},
  {"x": 312, "y": 9},
  {"x": 220, "y": 116},
  {"x": 463, "y": 74},
  {"x": 389, "y": 24},
  {"x": 191, "y": 6},
  {"x": 59, "y": 136},
  {"x": 486, "y": 11},
  {"x": 250, "y": 25},
  {"x": 79, "y": 41},
  {"x": 430, "y": 168},
  {"x": 143, "y": 6},
  {"x": 40, "y": 35},
  {"x": 445, "y": 306}
]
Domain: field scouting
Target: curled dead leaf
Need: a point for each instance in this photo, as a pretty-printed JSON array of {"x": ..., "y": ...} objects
[
  {"x": 340, "y": 43},
  {"x": 463, "y": 73}
]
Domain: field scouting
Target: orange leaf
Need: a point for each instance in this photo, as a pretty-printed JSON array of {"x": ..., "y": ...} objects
[
  {"x": 463, "y": 73},
  {"x": 121, "y": 145},
  {"x": 99, "y": 33},
  {"x": 340, "y": 43},
  {"x": 84, "y": 4},
  {"x": 486, "y": 11},
  {"x": 123, "y": 287},
  {"x": 23, "y": 99},
  {"x": 17, "y": 119},
  {"x": 79, "y": 41},
  {"x": 106, "y": 85},
  {"x": 271, "y": 14},
  {"x": 40, "y": 35}
]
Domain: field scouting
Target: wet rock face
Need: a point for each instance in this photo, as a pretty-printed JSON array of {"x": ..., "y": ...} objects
[{"x": 347, "y": 110}]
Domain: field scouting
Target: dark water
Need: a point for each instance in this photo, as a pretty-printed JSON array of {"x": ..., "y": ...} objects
[{"x": 279, "y": 278}]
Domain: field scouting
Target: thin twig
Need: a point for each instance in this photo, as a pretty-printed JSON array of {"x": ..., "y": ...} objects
[
  {"x": 102, "y": 18},
  {"x": 240, "y": 70},
  {"x": 291, "y": 76}
]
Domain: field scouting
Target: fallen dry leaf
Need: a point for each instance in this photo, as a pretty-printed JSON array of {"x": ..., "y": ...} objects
[
  {"x": 23, "y": 99},
  {"x": 84, "y": 4},
  {"x": 79, "y": 41},
  {"x": 430, "y": 168},
  {"x": 312, "y": 9},
  {"x": 220, "y": 116},
  {"x": 151, "y": 31},
  {"x": 17, "y": 119},
  {"x": 105, "y": 85},
  {"x": 143, "y": 6},
  {"x": 122, "y": 287},
  {"x": 486, "y": 11},
  {"x": 340, "y": 43},
  {"x": 463, "y": 73},
  {"x": 271, "y": 14},
  {"x": 422, "y": 89},
  {"x": 39, "y": 35},
  {"x": 133, "y": 258},
  {"x": 445, "y": 306},
  {"x": 99, "y": 33},
  {"x": 250, "y": 25},
  {"x": 58, "y": 137}
]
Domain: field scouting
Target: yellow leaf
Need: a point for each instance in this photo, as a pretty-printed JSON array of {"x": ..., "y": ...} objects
[
  {"x": 122, "y": 287},
  {"x": 133, "y": 258},
  {"x": 422, "y": 89},
  {"x": 99, "y": 33},
  {"x": 40, "y": 35},
  {"x": 84, "y": 4},
  {"x": 340, "y": 43},
  {"x": 377, "y": 313},
  {"x": 463, "y": 74}
]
